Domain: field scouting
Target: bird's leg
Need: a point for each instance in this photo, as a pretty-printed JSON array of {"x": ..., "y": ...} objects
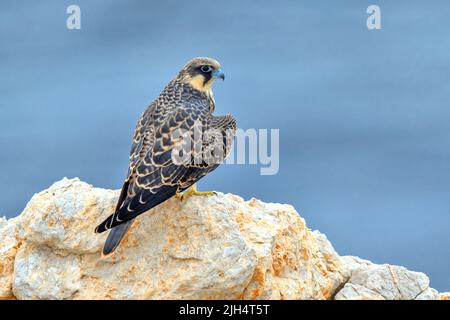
[{"x": 192, "y": 191}]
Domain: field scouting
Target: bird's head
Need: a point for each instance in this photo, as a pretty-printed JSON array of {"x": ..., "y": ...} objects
[{"x": 200, "y": 73}]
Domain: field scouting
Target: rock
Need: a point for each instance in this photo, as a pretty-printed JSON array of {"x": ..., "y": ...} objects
[
  {"x": 366, "y": 279},
  {"x": 63, "y": 216},
  {"x": 444, "y": 296},
  {"x": 9, "y": 242},
  {"x": 218, "y": 247},
  {"x": 428, "y": 294},
  {"x": 41, "y": 273},
  {"x": 357, "y": 292},
  {"x": 350, "y": 264}
]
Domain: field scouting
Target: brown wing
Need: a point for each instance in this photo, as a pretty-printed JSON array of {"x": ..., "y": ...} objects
[
  {"x": 154, "y": 177},
  {"x": 142, "y": 140},
  {"x": 144, "y": 135}
]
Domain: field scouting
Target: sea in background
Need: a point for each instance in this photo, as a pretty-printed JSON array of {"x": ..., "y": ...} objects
[{"x": 364, "y": 116}]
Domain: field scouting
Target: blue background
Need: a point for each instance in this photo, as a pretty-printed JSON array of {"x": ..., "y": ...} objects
[{"x": 364, "y": 116}]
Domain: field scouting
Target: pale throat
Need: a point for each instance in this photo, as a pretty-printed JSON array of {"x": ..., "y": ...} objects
[{"x": 197, "y": 83}]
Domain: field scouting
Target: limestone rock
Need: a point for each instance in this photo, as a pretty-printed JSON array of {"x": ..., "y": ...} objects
[
  {"x": 444, "y": 296},
  {"x": 63, "y": 216},
  {"x": 9, "y": 242},
  {"x": 357, "y": 292},
  {"x": 41, "y": 273},
  {"x": 218, "y": 247},
  {"x": 372, "y": 281},
  {"x": 428, "y": 294}
]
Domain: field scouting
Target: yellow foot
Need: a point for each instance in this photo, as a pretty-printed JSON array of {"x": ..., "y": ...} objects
[{"x": 192, "y": 191}]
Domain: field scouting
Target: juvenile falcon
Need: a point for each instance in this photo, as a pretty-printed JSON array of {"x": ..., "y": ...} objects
[{"x": 183, "y": 110}]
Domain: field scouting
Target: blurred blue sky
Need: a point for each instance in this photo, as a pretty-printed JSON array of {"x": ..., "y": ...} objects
[{"x": 364, "y": 116}]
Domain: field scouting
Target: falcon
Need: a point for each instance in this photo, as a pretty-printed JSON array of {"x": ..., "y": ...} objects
[{"x": 177, "y": 141}]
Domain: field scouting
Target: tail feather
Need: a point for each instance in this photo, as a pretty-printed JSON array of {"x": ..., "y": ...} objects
[
  {"x": 115, "y": 236},
  {"x": 132, "y": 207}
]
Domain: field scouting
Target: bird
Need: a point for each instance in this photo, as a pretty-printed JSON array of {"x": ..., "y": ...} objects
[{"x": 185, "y": 106}]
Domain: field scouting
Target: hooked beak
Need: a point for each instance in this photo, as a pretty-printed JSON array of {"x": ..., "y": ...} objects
[{"x": 219, "y": 74}]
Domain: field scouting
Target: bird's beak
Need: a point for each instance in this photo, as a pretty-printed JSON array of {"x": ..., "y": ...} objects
[{"x": 219, "y": 74}]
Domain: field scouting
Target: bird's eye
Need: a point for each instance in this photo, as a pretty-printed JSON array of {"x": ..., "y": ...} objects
[{"x": 206, "y": 69}]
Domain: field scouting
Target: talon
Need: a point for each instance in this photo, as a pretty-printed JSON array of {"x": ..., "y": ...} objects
[
  {"x": 192, "y": 191},
  {"x": 179, "y": 196}
]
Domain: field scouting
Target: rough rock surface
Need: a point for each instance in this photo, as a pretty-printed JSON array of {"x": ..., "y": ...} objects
[
  {"x": 9, "y": 242},
  {"x": 383, "y": 282},
  {"x": 218, "y": 247}
]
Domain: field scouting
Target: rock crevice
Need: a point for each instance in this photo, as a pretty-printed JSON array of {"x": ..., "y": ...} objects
[{"x": 218, "y": 247}]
